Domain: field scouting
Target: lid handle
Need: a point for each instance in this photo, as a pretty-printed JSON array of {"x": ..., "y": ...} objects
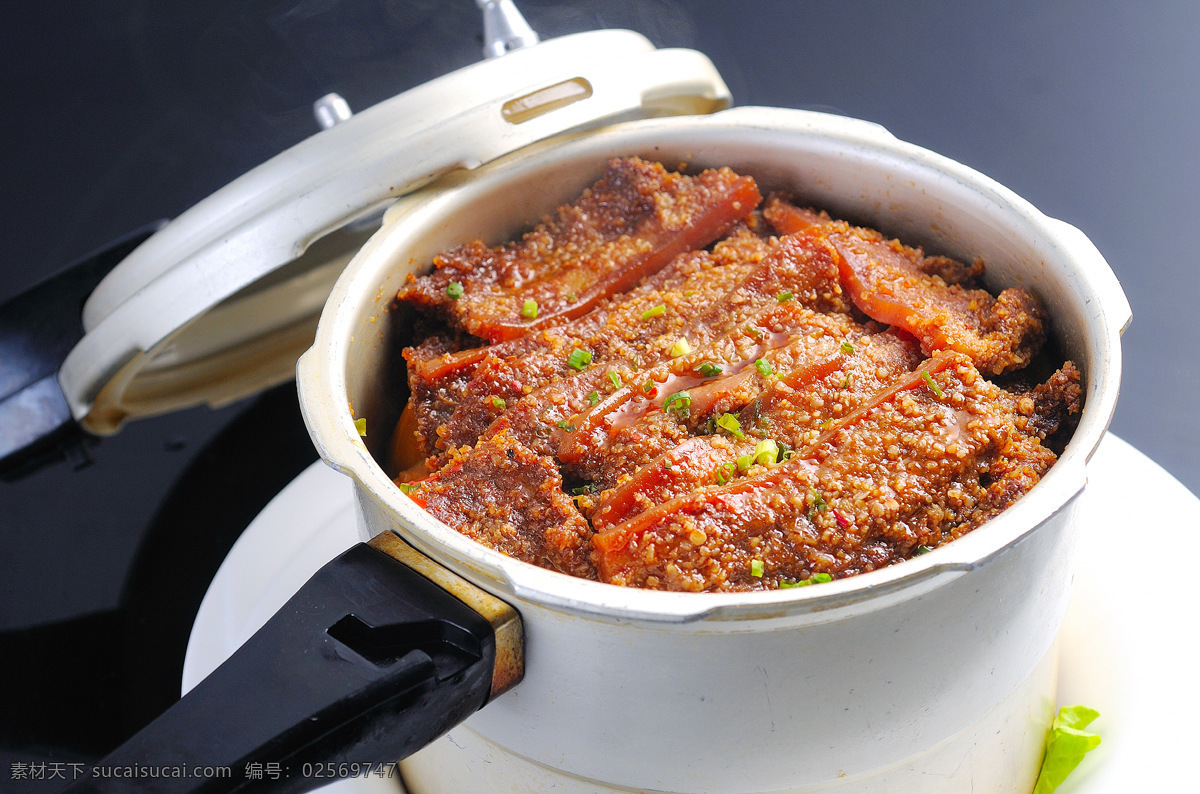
[{"x": 38, "y": 328}]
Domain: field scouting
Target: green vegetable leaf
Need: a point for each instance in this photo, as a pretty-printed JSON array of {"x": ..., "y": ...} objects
[{"x": 1066, "y": 747}]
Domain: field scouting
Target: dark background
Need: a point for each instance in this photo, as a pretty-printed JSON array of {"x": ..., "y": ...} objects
[{"x": 118, "y": 113}]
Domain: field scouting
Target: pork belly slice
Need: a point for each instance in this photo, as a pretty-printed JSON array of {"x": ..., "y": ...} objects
[
  {"x": 920, "y": 464},
  {"x": 627, "y": 225},
  {"x": 638, "y": 326},
  {"x": 888, "y": 282},
  {"x": 643, "y": 419},
  {"x": 798, "y": 271},
  {"x": 792, "y": 413},
  {"x": 508, "y": 498},
  {"x": 788, "y": 218}
]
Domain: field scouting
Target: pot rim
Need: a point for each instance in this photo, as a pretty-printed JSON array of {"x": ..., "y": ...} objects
[{"x": 325, "y": 404}]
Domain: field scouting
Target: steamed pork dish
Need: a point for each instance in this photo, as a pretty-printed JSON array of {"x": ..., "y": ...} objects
[{"x": 673, "y": 383}]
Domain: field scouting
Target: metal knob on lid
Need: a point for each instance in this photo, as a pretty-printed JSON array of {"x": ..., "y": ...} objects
[{"x": 504, "y": 29}]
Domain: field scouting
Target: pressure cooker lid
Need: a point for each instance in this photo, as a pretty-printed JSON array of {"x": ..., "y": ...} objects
[{"x": 221, "y": 302}]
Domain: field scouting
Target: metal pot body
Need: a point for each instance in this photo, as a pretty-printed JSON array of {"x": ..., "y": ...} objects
[{"x": 924, "y": 676}]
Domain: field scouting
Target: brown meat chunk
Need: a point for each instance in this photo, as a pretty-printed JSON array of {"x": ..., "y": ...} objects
[
  {"x": 642, "y": 420},
  {"x": 739, "y": 418},
  {"x": 510, "y": 499},
  {"x": 913, "y": 467},
  {"x": 639, "y": 326},
  {"x": 794, "y": 410},
  {"x": 888, "y": 282},
  {"x": 630, "y": 223}
]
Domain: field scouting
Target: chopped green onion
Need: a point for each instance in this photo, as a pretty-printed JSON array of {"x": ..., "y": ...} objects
[
  {"x": 756, "y": 568},
  {"x": 648, "y": 386},
  {"x": 817, "y": 578},
  {"x": 529, "y": 309},
  {"x": 730, "y": 424},
  {"x": 584, "y": 489},
  {"x": 922, "y": 549},
  {"x": 593, "y": 397},
  {"x": 408, "y": 487},
  {"x": 847, "y": 348},
  {"x": 655, "y": 312},
  {"x": 499, "y": 403},
  {"x": 827, "y": 423},
  {"x": 757, "y": 333},
  {"x": 764, "y": 366},
  {"x": 361, "y": 426},
  {"x": 784, "y": 296},
  {"x": 766, "y": 452},
  {"x": 689, "y": 293},
  {"x": 1066, "y": 747},
  {"x": 455, "y": 290},
  {"x": 818, "y": 503},
  {"x": 563, "y": 424},
  {"x": 709, "y": 369},
  {"x": 933, "y": 387},
  {"x": 615, "y": 379},
  {"x": 744, "y": 462},
  {"x": 572, "y": 297},
  {"x": 680, "y": 348},
  {"x": 679, "y": 403},
  {"x": 579, "y": 359},
  {"x": 726, "y": 472}
]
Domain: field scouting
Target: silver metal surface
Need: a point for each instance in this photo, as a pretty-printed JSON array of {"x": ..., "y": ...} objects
[
  {"x": 504, "y": 29},
  {"x": 331, "y": 110}
]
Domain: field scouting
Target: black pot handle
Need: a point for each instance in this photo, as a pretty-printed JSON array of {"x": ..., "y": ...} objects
[
  {"x": 366, "y": 664},
  {"x": 38, "y": 328}
]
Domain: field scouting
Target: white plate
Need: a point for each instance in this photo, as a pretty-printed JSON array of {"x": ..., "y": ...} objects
[{"x": 1123, "y": 650}]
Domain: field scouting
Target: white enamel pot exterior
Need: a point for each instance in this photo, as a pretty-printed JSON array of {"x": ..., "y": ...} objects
[{"x": 936, "y": 674}]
